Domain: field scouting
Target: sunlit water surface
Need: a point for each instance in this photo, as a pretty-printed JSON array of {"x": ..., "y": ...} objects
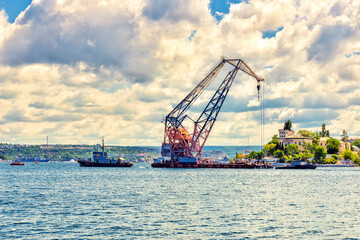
[{"x": 65, "y": 201}]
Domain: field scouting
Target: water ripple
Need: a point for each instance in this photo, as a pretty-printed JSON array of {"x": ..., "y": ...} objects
[{"x": 64, "y": 201}]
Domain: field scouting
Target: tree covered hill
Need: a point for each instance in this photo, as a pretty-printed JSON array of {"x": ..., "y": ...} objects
[{"x": 68, "y": 152}]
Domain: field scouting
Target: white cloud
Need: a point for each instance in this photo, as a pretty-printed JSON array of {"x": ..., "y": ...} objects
[{"x": 76, "y": 70}]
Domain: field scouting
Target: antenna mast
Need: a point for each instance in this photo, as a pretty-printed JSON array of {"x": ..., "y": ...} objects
[{"x": 103, "y": 145}]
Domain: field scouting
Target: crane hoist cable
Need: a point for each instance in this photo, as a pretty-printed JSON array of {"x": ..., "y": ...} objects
[{"x": 262, "y": 115}]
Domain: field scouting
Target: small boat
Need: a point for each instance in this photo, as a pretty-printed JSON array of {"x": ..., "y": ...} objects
[
  {"x": 17, "y": 162},
  {"x": 34, "y": 159},
  {"x": 100, "y": 159},
  {"x": 297, "y": 165}
]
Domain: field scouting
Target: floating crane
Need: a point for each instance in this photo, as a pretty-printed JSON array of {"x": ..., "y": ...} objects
[{"x": 181, "y": 145}]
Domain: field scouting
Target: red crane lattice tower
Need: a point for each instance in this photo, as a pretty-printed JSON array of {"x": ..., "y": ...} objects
[{"x": 178, "y": 142}]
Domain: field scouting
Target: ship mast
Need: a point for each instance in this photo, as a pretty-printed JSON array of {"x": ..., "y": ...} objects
[{"x": 103, "y": 146}]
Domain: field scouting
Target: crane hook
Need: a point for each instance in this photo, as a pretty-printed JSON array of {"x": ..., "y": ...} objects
[{"x": 258, "y": 88}]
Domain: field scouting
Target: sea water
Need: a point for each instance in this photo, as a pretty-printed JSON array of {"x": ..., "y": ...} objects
[{"x": 65, "y": 201}]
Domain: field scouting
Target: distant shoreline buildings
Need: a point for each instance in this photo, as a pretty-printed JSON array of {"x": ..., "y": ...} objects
[{"x": 287, "y": 136}]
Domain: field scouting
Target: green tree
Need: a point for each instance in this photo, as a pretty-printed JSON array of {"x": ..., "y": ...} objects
[
  {"x": 305, "y": 156},
  {"x": 251, "y": 155},
  {"x": 320, "y": 154},
  {"x": 280, "y": 146},
  {"x": 316, "y": 138},
  {"x": 292, "y": 149},
  {"x": 332, "y": 145},
  {"x": 274, "y": 139},
  {"x": 324, "y": 132},
  {"x": 305, "y": 133},
  {"x": 240, "y": 156},
  {"x": 270, "y": 148},
  {"x": 288, "y": 125},
  {"x": 279, "y": 153},
  {"x": 331, "y": 160},
  {"x": 356, "y": 143},
  {"x": 306, "y": 146},
  {"x": 288, "y": 159},
  {"x": 344, "y": 136},
  {"x": 348, "y": 154},
  {"x": 260, "y": 155},
  {"x": 5, "y": 157}
]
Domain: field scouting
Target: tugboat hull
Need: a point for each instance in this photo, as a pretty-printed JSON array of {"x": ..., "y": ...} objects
[
  {"x": 310, "y": 166},
  {"x": 17, "y": 164},
  {"x": 94, "y": 164}
]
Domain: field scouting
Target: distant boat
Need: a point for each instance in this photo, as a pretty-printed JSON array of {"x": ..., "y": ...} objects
[
  {"x": 101, "y": 159},
  {"x": 297, "y": 165},
  {"x": 34, "y": 159},
  {"x": 16, "y": 162}
]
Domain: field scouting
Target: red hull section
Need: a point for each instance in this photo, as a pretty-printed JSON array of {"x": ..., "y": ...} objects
[
  {"x": 18, "y": 164},
  {"x": 211, "y": 165}
]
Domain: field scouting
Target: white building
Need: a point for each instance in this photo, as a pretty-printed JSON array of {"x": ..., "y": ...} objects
[{"x": 287, "y": 137}]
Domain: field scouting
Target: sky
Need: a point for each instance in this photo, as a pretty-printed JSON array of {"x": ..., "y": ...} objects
[{"x": 76, "y": 70}]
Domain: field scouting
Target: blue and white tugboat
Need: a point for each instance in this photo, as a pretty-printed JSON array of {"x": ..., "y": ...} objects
[{"x": 100, "y": 159}]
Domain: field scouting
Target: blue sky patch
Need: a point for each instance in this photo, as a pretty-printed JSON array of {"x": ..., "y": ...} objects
[
  {"x": 351, "y": 54},
  {"x": 271, "y": 33},
  {"x": 14, "y": 7},
  {"x": 269, "y": 67},
  {"x": 219, "y": 8},
  {"x": 192, "y": 35}
]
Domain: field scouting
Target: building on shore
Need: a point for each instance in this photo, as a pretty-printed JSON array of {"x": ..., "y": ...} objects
[
  {"x": 343, "y": 145},
  {"x": 287, "y": 137}
]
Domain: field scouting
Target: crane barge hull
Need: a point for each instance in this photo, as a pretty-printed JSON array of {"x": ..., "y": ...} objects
[{"x": 212, "y": 165}]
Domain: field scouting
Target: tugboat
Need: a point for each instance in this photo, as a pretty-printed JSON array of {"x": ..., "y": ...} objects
[
  {"x": 100, "y": 159},
  {"x": 16, "y": 162},
  {"x": 297, "y": 165}
]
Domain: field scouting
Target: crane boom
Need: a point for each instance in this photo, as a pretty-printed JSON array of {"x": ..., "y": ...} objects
[
  {"x": 178, "y": 142},
  {"x": 175, "y": 117}
]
